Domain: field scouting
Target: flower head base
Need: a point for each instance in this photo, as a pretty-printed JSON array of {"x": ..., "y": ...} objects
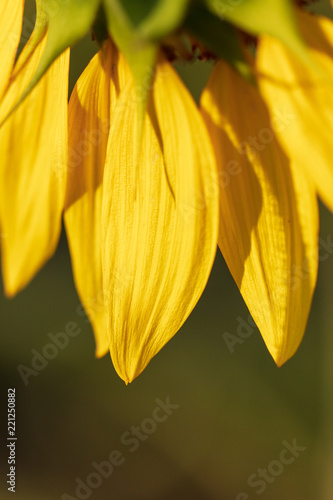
[{"x": 149, "y": 185}]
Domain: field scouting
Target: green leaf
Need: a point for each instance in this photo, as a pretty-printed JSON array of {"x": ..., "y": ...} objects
[
  {"x": 140, "y": 54},
  {"x": 272, "y": 17},
  {"x": 137, "y": 27},
  {"x": 165, "y": 17},
  {"x": 138, "y": 10},
  {"x": 67, "y": 22},
  {"x": 219, "y": 37},
  {"x": 36, "y": 36}
]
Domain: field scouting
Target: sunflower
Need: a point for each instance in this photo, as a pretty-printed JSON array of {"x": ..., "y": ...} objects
[{"x": 148, "y": 183}]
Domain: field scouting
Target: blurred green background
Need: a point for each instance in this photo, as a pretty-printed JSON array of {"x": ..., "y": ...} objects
[{"x": 235, "y": 409}]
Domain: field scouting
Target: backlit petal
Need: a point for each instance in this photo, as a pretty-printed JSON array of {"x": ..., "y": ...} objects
[
  {"x": 160, "y": 222},
  {"x": 303, "y": 98},
  {"x": 90, "y": 108},
  {"x": 11, "y": 16},
  {"x": 268, "y": 213},
  {"x": 32, "y": 166}
]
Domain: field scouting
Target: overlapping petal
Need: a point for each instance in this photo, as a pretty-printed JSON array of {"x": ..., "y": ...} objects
[
  {"x": 33, "y": 156},
  {"x": 305, "y": 96},
  {"x": 90, "y": 114},
  {"x": 11, "y": 16},
  {"x": 160, "y": 221},
  {"x": 268, "y": 213}
]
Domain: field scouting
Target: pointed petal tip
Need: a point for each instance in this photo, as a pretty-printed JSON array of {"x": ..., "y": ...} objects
[
  {"x": 12, "y": 285},
  {"x": 125, "y": 378},
  {"x": 18, "y": 269},
  {"x": 280, "y": 358},
  {"x": 127, "y": 374},
  {"x": 9, "y": 292},
  {"x": 279, "y": 361},
  {"x": 100, "y": 352},
  {"x": 128, "y": 379}
]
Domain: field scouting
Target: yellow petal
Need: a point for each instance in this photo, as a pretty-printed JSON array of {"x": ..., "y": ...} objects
[
  {"x": 32, "y": 165},
  {"x": 90, "y": 109},
  {"x": 268, "y": 213},
  {"x": 11, "y": 16},
  {"x": 160, "y": 222},
  {"x": 302, "y": 100}
]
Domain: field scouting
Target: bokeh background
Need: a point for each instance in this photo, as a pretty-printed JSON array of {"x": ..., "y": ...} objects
[{"x": 235, "y": 409}]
